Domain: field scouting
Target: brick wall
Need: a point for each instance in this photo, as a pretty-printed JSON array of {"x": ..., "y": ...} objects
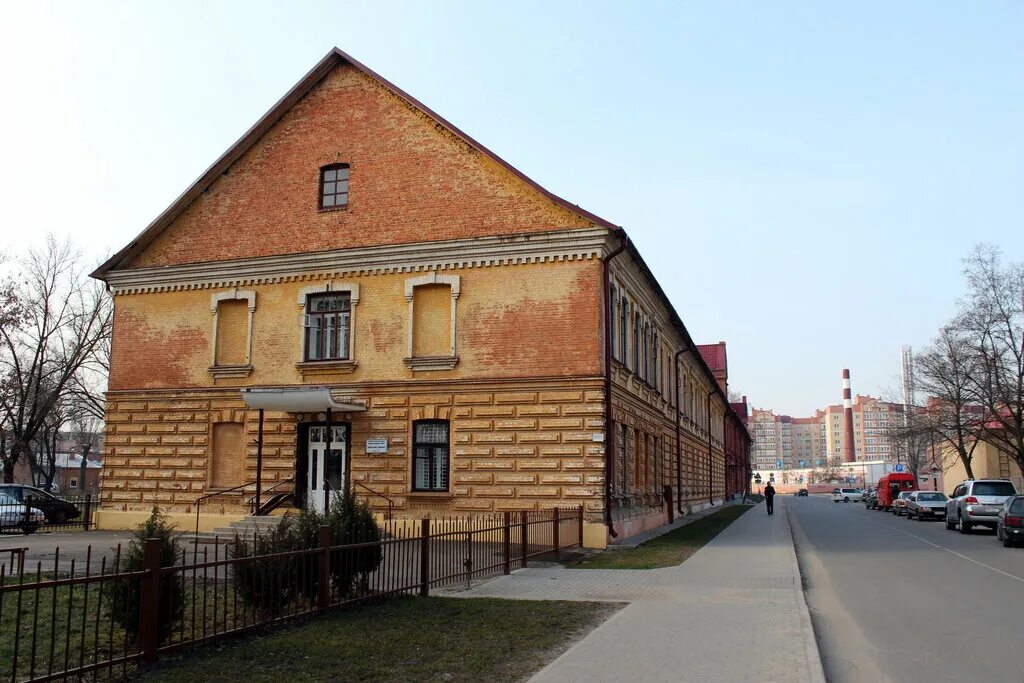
[
  {"x": 411, "y": 180},
  {"x": 545, "y": 325},
  {"x": 516, "y": 446}
]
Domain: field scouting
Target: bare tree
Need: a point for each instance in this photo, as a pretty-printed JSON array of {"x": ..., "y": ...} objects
[
  {"x": 946, "y": 373},
  {"x": 44, "y": 448},
  {"x": 86, "y": 431},
  {"x": 913, "y": 439},
  {"x": 65, "y": 319},
  {"x": 993, "y": 316}
]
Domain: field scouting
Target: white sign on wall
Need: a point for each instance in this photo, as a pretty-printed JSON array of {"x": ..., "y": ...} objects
[{"x": 377, "y": 444}]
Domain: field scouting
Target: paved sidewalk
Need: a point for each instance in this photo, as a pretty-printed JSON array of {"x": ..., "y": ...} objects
[{"x": 734, "y": 612}]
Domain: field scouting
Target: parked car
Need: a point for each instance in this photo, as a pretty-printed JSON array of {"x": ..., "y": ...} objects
[
  {"x": 890, "y": 486},
  {"x": 801, "y": 492},
  {"x": 899, "y": 506},
  {"x": 13, "y": 515},
  {"x": 926, "y": 505},
  {"x": 977, "y": 502},
  {"x": 1011, "y": 521},
  {"x": 57, "y": 511},
  {"x": 846, "y": 495},
  {"x": 871, "y": 498}
]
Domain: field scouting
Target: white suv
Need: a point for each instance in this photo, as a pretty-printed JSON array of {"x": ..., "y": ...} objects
[
  {"x": 977, "y": 502},
  {"x": 846, "y": 495}
]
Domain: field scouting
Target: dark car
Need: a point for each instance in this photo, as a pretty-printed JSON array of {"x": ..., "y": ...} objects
[
  {"x": 926, "y": 505},
  {"x": 801, "y": 492},
  {"x": 57, "y": 511},
  {"x": 1010, "y": 529}
]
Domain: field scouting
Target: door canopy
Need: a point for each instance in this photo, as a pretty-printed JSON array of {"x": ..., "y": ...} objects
[{"x": 303, "y": 400}]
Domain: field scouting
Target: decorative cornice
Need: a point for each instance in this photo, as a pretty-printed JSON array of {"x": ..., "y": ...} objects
[
  {"x": 544, "y": 247},
  {"x": 432, "y": 278}
]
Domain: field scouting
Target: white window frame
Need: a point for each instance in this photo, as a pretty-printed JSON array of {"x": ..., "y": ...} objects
[{"x": 352, "y": 289}]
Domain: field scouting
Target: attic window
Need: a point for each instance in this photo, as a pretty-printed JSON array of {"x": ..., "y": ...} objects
[{"x": 333, "y": 186}]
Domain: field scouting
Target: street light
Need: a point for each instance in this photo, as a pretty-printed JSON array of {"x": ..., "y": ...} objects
[{"x": 86, "y": 446}]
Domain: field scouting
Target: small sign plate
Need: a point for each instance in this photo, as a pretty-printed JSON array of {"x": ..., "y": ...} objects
[
  {"x": 897, "y": 468},
  {"x": 377, "y": 444}
]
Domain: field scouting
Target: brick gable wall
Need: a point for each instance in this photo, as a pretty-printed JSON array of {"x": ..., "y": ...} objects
[{"x": 411, "y": 181}]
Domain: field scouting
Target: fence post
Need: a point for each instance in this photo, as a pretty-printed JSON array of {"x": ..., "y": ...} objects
[
  {"x": 522, "y": 540},
  {"x": 87, "y": 515},
  {"x": 323, "y": 565},
  {"x": 579, "y": 518},
  {"x": 555, "y": 522},
  {"x": 506, "y": 541},
  {"x": 424, "y": 557},
  {"x": 149, "y": 603}
]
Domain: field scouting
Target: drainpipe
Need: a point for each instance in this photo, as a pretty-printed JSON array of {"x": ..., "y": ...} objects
[
  {"x": 679, "y": 445},
  {"x": 609, "y": 433},
  {"x": 711, "y": 459}
]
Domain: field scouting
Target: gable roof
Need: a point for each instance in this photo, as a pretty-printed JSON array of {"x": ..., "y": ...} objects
[{"x": 333, "y": 58}]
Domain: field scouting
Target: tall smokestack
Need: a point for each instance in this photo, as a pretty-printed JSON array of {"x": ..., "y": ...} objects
[{"x": 851, "y": 456}]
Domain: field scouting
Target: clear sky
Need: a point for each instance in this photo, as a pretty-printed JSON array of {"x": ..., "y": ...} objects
[{"x": 803, "y": 177}]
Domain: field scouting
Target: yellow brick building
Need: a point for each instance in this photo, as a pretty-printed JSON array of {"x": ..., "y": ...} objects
[
  {"x": 987, "y": 462},
  {"x": 356, "y": 260}
]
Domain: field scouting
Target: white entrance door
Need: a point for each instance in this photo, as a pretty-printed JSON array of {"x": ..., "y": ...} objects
[{"x": 325, "y": 474}]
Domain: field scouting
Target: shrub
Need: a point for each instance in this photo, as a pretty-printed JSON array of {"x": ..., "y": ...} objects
[
  {"x": 126, "y": 595},
  {"x": 268, "y": 582},
  {"x": 350, "y": 521}
]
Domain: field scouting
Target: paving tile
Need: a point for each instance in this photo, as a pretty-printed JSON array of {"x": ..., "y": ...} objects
[{"x": 733, "y": 612}]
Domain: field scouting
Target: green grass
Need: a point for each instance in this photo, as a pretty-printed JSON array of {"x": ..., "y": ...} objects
[
  {"x": 76, "y": 625},
  {"x": 409, "y": 639},
  {"x": 669, "y": 549}
]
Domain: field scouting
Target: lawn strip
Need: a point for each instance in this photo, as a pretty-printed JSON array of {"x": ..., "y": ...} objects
[
  {"x": 669, "y": 549},
  {"x": 409, "y": 639}
]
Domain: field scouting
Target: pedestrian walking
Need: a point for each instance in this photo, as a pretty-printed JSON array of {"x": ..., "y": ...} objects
[{"x": 769, "y": 498}]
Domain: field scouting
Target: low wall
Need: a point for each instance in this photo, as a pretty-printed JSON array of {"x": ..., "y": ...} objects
[{"x": 118, "y": 520}]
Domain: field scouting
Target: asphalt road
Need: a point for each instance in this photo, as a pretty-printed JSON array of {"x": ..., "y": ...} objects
[{"x": 899, "y": 600}]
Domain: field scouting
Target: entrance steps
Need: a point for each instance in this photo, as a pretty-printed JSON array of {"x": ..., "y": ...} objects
[{"x": 244, "y": 528}]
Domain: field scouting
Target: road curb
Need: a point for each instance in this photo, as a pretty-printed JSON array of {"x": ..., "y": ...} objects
[{"x": 816, "y": 669}]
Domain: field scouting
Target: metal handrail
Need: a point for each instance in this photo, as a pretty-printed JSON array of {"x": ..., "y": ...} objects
[
  {"x": 391, "y": 503},
  {"x": 199, "y": 501},
  {"x": 252, "y": 501}
]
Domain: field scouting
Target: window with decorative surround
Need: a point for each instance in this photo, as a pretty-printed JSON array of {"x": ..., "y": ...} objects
[
  {"x": 432, "y": 324},
  {"x": 327, "y": 326},
  {"x": 637, "y": 342},
  {"x": 328, "y": 321},
  {"x": 613, "y": 305},
  {"x": 231, "y": 340}
]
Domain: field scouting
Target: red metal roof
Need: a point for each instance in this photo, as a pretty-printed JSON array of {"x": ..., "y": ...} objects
[{"x": 714, "y": 355}]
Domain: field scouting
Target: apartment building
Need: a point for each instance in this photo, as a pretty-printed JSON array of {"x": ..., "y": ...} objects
[{"x": 784, "y": 442}]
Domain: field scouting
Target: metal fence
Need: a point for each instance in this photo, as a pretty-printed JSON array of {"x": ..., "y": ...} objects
[
  {"x": 49, "y": 513},
  {"x": 103, "y": 623}
]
